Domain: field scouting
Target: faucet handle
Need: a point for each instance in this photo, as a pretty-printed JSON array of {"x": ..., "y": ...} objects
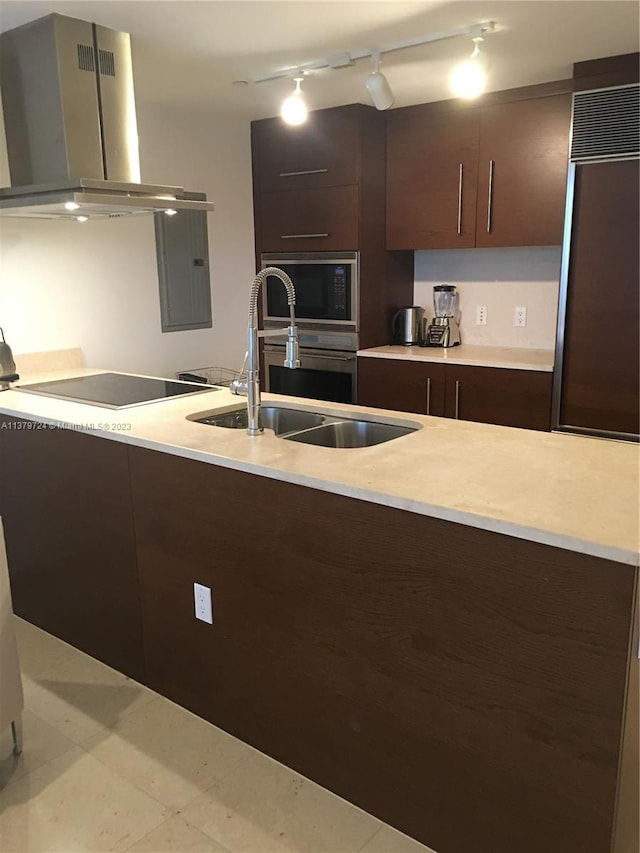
[{"x": 240, "y": 385}]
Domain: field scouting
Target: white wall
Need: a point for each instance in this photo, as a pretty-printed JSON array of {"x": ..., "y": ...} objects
[
  {"x": 501, "y": 279},
  {"x": 95, "y": 284}
]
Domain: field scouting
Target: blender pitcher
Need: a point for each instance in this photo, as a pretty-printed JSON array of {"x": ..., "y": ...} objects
[{"x": 445, "y": 300}]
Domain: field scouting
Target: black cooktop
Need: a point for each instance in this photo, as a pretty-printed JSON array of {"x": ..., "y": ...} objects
[{"x": 114, "y": 390}]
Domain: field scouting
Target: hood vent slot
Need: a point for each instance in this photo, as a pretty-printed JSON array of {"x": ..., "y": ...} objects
[
  {"x": 107, "y": 62},
  {"x": 606, "y": 124},
  {"x": 85, "y": 58}
]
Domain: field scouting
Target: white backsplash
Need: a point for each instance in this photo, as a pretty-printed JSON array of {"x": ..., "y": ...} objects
[{"x": 500, "y": 279}]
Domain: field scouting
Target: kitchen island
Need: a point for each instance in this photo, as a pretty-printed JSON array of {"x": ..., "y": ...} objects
[{"x": 438, "y": 628}]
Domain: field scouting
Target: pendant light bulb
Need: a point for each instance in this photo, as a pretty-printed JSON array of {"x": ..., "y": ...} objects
[
  {"x": 469, "y": 79},
  {"x": 294, "y": 110},
  {"x": 378, "y": 86}
]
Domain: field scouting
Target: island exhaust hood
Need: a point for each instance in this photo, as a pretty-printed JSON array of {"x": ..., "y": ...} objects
[{"x": 70, "y": 122}]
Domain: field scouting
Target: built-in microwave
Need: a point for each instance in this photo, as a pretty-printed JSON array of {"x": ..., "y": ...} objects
[{"x": 326, "y": 286}]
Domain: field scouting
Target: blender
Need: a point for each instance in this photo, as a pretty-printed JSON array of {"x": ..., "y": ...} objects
[{"x": 444, "y": 331}]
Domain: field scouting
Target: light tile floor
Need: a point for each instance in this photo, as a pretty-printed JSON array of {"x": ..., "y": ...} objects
[{"x": 109, "y": 765}]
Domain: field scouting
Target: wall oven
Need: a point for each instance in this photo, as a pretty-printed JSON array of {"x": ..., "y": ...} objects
[
  {"x": 323, "y": 374},
  {"x": 326, "y": 289}
]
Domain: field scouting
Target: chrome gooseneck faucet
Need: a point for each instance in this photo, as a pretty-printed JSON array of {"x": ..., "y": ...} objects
[{"x": 251, "y": 386}]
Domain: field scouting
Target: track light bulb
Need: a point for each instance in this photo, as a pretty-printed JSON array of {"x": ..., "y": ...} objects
[
  {"x": 294, "y": 110},
  {"x": 469, "y": 79},
  {"x": 378, "y": 86}
]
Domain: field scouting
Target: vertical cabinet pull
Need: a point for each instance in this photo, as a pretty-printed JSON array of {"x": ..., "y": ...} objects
[
  {"x": 457, "y": 415},
  {"x": 460, "y": 200},
  {"x": 490, "y": 197},
  {"x": 429, "y": 396}
]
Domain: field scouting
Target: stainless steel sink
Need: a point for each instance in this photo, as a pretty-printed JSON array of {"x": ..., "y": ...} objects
[
  {"x": 316, "y": 428},
  {"x": 278, "y": 419},
  {"x": 351, "y": 434}
]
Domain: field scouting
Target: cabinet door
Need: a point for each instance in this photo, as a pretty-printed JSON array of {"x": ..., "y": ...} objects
[
  {"x": 600, "y": 376},
  {"x": 522, "y": 167},
  {"x": 323, "y": 152},
  {"x": 387, "y": 383},
  {"x": 310, "y": 220},
  {"x": 517, "y": 398},
  {"x": 66, "y": 507},
  {"x": 431, "y": 181}
]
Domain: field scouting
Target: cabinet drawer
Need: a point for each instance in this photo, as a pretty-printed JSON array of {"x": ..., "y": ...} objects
[
  {"x": 387, "y": 383},
  {"x": 321, "y": 153},
  {"x": 517, "y": 398},
  {"x": 310, "y": 220}
]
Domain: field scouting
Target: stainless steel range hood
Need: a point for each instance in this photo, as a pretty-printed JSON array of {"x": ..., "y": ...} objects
[{"x": 70, "y": 123}]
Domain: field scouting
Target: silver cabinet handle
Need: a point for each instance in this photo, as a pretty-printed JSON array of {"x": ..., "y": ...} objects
[
  {"x": 300, "y": 236},
  {"x": 460, "y": 200},
  {"x": 429, "y": 396},
  {"x": 490, "y": 197},
  {"x": 305, "y": 172},
  {"x": 457, "y": 415}
]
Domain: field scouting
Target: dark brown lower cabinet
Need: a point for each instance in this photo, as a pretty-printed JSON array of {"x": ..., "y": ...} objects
[
  {"x": 490, "y": 395},
  {"x": 518, "y": 398},
  {"x": 387, "y": 383},
  {"x": 65, "y": 503},
  {"x": 472, "y": 689},
  {"x": 467, "y": 687}
]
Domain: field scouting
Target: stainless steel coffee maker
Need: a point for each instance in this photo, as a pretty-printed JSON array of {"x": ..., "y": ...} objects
[
  {"x": 408, "y": 326},
  {"x": 7, "y": 365},
  {"x": 444, "y": 331}
]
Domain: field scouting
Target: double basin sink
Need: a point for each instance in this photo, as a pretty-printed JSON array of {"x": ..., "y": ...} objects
[{"x": 316, "y": 428}]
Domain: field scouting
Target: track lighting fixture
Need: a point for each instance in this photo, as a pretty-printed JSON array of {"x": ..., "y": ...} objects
[
  {"x": 294, "y": 110},
  {"x": 468, "y": 79},
  {"x": 378, "y": 86}
]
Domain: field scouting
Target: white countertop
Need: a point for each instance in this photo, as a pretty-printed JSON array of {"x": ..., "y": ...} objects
[
  {"x": 514, "y": 358},
  {"x": 573, "y": 492}
]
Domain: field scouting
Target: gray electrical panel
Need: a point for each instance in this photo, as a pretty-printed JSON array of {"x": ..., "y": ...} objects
[{"x": 182, "y": 251}]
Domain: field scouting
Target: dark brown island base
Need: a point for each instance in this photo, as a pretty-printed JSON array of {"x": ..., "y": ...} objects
[{"x": 473, "y": 689}]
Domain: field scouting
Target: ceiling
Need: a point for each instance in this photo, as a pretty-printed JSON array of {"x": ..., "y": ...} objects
[{"x": 191, "y": 51}]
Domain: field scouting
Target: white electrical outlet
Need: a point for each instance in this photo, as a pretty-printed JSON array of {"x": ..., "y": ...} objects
[
  {"x": 481, "y": 315},
  {"x": 520, "y": 317},
  {"x": 202, "y": 597}
]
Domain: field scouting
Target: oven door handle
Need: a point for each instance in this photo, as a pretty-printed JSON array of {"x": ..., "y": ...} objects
[{"x": 327, "y": 357}]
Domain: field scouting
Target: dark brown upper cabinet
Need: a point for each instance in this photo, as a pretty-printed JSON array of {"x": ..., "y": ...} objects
[
  {"x": 432, "y": 174},
  {"x": 311, "y": 220},
  {"x": 523, "y": 161},
  {"x": 477, "y": 177},
  {"x": 322, "y": 152}
]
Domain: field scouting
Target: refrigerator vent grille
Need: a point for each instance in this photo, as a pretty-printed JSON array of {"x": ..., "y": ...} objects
[
  {"x": 606, "y": 124},
  {"x": 85, "y": 58}
]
